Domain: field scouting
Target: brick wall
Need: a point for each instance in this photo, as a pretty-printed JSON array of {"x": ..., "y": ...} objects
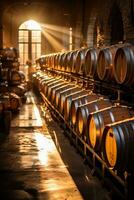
[{"x": 101, "y": 22}]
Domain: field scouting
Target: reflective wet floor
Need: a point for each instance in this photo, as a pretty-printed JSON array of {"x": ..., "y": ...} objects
[{"x": 37, "y": 161}]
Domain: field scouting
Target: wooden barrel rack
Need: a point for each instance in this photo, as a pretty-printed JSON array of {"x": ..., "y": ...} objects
[{"x": 119, "y": 182}]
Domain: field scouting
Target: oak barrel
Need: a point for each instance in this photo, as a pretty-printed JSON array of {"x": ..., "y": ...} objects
[
  {"x": 76, "y": 102},
  {"x": 90, "y": 63},
  {"x": 105, "y": 63},
  {"x": 98, "y": 120},
  {"x": 84, "y": 111},
  {"x": 124, "y": 65},
  {"x": 118, "y": 145}
]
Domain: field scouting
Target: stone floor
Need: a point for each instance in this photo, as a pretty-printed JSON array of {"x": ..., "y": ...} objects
[{"x": 37, "y": 161}]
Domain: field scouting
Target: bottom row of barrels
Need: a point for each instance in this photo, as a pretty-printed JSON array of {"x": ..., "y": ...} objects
[{"x": 106, "y": 127}]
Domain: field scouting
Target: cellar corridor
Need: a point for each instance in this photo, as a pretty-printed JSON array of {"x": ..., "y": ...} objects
[{"x": 38, "y": 161}]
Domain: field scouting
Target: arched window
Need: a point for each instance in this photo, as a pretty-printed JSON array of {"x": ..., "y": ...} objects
[{"x": 29, "y": 41}]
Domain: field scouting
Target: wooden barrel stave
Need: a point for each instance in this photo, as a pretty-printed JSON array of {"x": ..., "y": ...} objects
[
  {"x": 84, "y": 111},
  {"x": 76, "y": 102},
  {"x": 117, "y": 145},
  {"x": 123, "y": 67},
  {"x": 98, "y": 120}
]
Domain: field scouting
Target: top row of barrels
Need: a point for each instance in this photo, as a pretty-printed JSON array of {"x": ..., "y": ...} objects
[{"x": 110, "y": 64}]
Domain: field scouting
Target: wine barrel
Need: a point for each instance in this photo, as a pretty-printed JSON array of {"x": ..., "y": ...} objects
[
  {"x": 39, "y": 82},
  {"x": 47, "y": 61},
  {"x": 84, "y": 111},
  {"x": 105, "y": 63},
  {"x": 51, "y": 61},
  {"x": 56, "y": 91},
  {"x": 54, "y": 87},
  {"x": 124, "y": 65},
  {"x": 5, "y": 74},
  {"x": 62, "y": 60},
  {"x": 20, "y": 90},
  {"x": 69, "y": 87},
  {"x": 79, "y": 61},
  {"x": 55, "y": 56},
  {"x": 68, "y": 65},
  {"x": 118, "y": 144},
  {"x": 36, "y": 77},
  {"x": 80, "y": 96},
  {"x": 48, "y": 83},
  {"x": 41, "y": 62},
  {"x": 42, "y": 82},
  {"x": 72, "y": 59},
  {"x": 74, "y": 92},
  {"x": 90, "y": 63},
  {"x": 4, "y": 98},
  {"x": 3, "y": 87},
  {"x": 98, "y": 120},
  {"x": 50, "y": 86},
  {"x": 16, "y": 77},
  {"x": 65, "y": 61},
  {"x": 15, "y": 102},
  {"x": 76, "y": 102},
  {"x": 56, "y": 61},
  {"x": 10, "y": 53}
]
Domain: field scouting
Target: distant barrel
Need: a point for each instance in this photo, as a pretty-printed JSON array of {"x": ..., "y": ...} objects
[
  {"x": 90, "y": 63},
  {"x": 61, "y": 60},
  {"x": 56, "y": 60},
  {"x": 118, "y": 145},
  {"x": 68, "y": 64},
  {"x": 78, "y": 66},
  {"x": 71, "y": 60},
  {"x": 65, "y": 61}
]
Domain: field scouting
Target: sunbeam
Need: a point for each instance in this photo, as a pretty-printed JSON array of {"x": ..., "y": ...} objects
[
  {"x": 55, "y": 44},
  {"x": 60, "y": 29}
]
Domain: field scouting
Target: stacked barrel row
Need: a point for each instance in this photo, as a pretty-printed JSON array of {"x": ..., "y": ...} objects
[
  {"x": 111, "y": 64},
  {"x": 12, "y": 87},
  {"x": 11, "y": 78},
  {"x": 104, "y": 126}
]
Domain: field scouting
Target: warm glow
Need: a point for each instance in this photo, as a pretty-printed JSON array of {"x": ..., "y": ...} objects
[
  {"x": 55, "y": 43},
  {"x": 60, "y": 29},
  {"x": 45, "y": 147},
  {"x": 55, "y": 33},
  {"x": 30, "y": 25}
]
